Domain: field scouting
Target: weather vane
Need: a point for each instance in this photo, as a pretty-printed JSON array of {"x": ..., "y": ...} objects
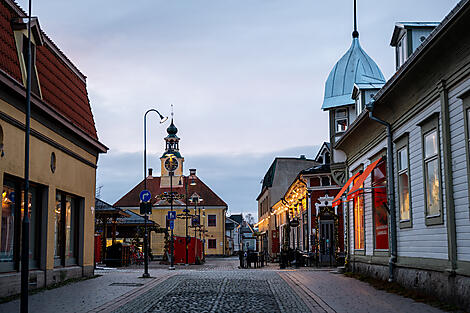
[{"x": 172, "y": 111}]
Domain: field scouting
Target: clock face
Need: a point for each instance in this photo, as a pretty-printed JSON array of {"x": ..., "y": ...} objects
[{"x": 171, "y": 164}]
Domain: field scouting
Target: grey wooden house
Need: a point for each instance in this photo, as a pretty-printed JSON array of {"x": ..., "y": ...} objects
[{"x": 407, "y": 207}]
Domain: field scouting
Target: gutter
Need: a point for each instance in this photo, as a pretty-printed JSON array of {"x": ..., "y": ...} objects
[{"x": 391, "y": 191}]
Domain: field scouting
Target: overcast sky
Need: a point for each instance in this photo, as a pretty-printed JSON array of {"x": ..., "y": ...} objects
[{"x": 246, "y": 78}]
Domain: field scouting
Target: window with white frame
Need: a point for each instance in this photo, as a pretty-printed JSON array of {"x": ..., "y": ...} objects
[
  {"x": 403, "y": 181},
  {"x": 359, "y": 104},
  {"x": 402, "y": 51},
  {"x": 431, "y": 171},
  {"x": 341, "y": 120},
  {"x": 466, "y": 113}
]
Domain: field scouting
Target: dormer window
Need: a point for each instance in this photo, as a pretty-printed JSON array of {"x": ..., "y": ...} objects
[
  {"x": 19, "y": 26},
  {"x": 341, "y": 120},
  {"x": 402, "y": 50},
  {"x": 359, "y": 104},
  {"x": 407, "y": 37},
  {"x": 34, "y": 76}
]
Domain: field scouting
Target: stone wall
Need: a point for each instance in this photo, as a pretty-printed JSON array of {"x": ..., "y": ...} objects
[{"x": 452, "y": 289}]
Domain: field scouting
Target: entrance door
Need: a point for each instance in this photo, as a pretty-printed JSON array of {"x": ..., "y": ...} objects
[{"x": 327, "y": 242}]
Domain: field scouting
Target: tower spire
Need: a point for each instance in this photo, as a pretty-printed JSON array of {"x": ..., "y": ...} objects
[{"x": 355, "y": 33}]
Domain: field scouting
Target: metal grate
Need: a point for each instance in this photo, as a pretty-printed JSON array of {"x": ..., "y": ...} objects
[{"x": 127, "y": 284}]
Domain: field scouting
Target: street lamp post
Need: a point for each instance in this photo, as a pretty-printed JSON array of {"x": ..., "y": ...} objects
[
  {"x": 186, "y": 213},
  {"x": 172, "y": 243},
  {"x": 162, "y": 120},
  {"x": 25, "y": 224}
]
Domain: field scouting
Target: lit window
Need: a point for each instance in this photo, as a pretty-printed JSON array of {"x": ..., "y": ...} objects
[
  {"x": 431, "y": 170},
  {"x": 468, "y": 129},
  {"x": 379, "y": 193},
  {"x": 358, "y": 220},
  {"x": 403, "y": 184},
  {"x": 66, "y": 229}
]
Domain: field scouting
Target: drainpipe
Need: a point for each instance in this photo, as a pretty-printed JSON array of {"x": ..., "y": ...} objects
[{"x": 391, "y": 191}]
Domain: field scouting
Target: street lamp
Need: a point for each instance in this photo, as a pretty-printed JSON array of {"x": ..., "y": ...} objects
[
  {"x": 186, "y": 214},
  {"x": 195, "y": 198},
  {"x": 171, "y": 164},
  {"x": 25, "y": 224},
  {"x": 162, "y": 120}
]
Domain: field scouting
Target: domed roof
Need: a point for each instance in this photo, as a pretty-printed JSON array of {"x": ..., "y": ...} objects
[
  {"x": 172, "y": 130},
  {"x": 355, "y": 66}
]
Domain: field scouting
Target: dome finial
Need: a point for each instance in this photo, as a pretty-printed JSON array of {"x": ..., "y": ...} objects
[
  {"x": 355, "y": 33},
  {"x": 172, "y": 130}
]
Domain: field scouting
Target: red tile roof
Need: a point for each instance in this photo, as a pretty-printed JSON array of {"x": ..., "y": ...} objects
[
  {"x": 8, "y": 56},
  {"x": 210, "y": 198},
  {"x": 63, "y": 87}
]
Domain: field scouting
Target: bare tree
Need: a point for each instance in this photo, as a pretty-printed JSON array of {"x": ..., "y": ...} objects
[
  {"x": 249, "y": 218},
  {"x": 98, "y": 191}
]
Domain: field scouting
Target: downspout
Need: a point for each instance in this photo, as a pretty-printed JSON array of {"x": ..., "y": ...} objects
[{"x": 391, "y": 191}]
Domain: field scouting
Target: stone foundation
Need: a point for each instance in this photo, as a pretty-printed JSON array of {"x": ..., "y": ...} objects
[
  {"x": 453, "y": 289},
  {"x": 11, "y": 282}
]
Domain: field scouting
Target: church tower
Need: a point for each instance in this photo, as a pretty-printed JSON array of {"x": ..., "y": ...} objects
[{"x": 172, "y": 155}]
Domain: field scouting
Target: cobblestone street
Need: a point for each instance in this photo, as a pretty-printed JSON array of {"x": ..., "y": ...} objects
[{"x": 218, "y": 286}]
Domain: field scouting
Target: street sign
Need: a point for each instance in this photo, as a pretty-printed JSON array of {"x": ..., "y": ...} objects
[
  {"x": 172, "y": 224},
  {"x": 145, "y": 196},
  {"x": 145, "y": 208},
  {"x": 294, "y": 223},
  {"x": 172, "y": 215}
]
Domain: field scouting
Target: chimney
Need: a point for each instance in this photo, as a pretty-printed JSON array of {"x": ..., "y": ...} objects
[
  {"x": 150, "y": 172},
  {"x": 192, "y": 171},
  {"x": 302, "y": 157}
]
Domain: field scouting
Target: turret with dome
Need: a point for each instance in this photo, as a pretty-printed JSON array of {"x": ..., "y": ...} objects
[
  {"x": 350, "y": 85},
  {"x": 171, "y": 150}
]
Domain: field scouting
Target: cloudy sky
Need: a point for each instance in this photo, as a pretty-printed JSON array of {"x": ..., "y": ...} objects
[{"x": 246, "y": 77}]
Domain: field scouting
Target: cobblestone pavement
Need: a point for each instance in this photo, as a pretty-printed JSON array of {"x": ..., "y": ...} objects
[
  {"x": 219, "y": 291},
  {"x": 218, "y": 286}
]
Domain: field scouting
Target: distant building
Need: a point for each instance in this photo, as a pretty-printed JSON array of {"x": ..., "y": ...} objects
[
  {"x": 307, "y": 221},
  {"x": 64, "y": 150},
  {"x": 248, "y": 237},
  {"x": 277, "y": 180},
  {"x": 190, "y": 192},
  {"x": 238, "y": 220},
  {"x": 232, "y": 236}
]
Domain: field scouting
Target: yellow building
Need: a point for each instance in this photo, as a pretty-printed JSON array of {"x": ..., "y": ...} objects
[
  {"x": 64, "y": 151},
  {"x": 189, "y": 192}
]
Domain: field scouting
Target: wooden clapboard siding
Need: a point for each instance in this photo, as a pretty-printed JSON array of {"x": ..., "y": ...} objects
[
  {"x": 460, "y": 171},
  {"x": 419, "y": 240}
]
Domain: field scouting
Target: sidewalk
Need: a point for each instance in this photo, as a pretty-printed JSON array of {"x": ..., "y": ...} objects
[
  {"x": 338, "y": 293},
  {"x": 88, "y": 295}
]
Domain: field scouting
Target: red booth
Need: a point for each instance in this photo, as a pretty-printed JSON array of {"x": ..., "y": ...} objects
[{"x": 194, "y": 250}]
